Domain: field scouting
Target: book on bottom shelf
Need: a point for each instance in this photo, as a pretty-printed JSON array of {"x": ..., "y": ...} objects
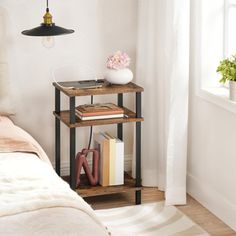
[
  {"x": 111, "y": 159},
  {"x": 119, "y": 162},
  {"x": 102, "y": 144}
]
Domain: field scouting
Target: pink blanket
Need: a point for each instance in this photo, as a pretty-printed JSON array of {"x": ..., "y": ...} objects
[{"x": 15, "y": 139}]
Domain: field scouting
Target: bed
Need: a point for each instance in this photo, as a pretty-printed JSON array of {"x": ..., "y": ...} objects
[{"x": 33, "y": 199}]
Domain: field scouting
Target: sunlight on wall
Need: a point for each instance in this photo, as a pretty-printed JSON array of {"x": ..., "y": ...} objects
[{"x": 100, "y": 30}]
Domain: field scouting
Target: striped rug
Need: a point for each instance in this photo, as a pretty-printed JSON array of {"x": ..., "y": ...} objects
[{"x": 149, "y": 220}]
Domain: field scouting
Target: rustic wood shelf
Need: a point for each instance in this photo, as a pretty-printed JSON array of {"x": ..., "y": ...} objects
[
  {"x": 70, "y": 119},
  {"x": 64, "y": 116},
  {"x": 86, "y": 190},
  {"x": 108, "y": 89}
]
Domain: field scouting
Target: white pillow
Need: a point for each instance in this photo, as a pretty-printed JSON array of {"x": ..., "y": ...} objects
[{"x": 6, "y": 106}]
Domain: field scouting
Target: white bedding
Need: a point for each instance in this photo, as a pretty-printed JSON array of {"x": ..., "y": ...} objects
[{"x": 35, "y": 201}]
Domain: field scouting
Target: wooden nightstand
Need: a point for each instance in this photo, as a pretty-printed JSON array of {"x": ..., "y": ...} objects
[{"x": 72, "y": 121}]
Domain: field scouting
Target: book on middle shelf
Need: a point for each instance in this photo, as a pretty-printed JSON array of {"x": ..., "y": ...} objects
[
  {"x": 111, "y": 160},
  {"x": 99, "y": 111}
]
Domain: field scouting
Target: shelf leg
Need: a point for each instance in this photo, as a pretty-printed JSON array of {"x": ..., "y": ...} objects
[
  {"x": 72, "y": 144},
  {"x": 72, "y": 159},
  {"x": 57, "y": 132},
  {"x": 138, "y": 149},
  {"x": 138, "y": 199},
  {"x": 120, "y": 126}
]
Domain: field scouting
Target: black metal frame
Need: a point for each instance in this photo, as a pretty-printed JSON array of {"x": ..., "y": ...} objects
[
  {"x": 72, "y": 138},
  {"x": 72, "y": 144},
  {"x": 138, "y": 148},
  {"x": 58, "y": 132},
  {"x": 120, "y": 126},
  {"x": 138, "y": 180}
]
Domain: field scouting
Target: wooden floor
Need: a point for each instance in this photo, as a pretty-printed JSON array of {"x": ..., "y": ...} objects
[{"x": 193, "y": 209}]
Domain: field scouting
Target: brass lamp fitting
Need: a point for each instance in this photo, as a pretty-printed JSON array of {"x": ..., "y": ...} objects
[
  {"x": 47, "y": 18},
  {"x": 47, "y": 27}
]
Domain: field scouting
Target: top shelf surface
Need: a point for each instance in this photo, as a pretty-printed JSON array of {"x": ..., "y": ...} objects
[{"x": 107, "y": 89}]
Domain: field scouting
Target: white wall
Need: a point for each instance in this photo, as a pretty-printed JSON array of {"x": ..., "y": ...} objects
[
  {"x": 212, "y": 138},
  {"x": 102, "y": 27}
]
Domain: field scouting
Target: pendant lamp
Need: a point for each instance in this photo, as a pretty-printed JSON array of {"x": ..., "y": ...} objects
[{"x": 47, "y": 28}]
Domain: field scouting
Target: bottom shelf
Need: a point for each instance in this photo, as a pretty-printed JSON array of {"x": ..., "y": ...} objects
[{"x": 86, "y": 190}]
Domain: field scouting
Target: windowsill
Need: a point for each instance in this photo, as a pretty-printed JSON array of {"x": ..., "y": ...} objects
[{"x": 218, "y": 96}]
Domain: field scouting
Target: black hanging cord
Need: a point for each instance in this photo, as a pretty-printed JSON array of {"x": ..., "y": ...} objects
[
  {"x": 91, "y": 129},
  {"x": 47, "y": 6}
]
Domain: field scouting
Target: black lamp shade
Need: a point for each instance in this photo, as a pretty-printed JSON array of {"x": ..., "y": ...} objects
[{"x": 47, "y": 30}]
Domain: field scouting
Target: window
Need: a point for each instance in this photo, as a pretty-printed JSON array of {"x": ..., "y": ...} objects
[
  {"x": 229, "y": 30},
  {"x": 215, "y": 26},
  {"x": 212, "y": 24},
  {"x": 218, "y": 38},
  {"x": 229, "y": 27}
]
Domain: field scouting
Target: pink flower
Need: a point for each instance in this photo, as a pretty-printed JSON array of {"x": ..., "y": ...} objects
[{"x": 119, "y": 60}]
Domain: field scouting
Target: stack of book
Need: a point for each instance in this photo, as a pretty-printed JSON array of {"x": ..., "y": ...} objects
[
  {"x": 111, "y": 149},
  {"x": 99, "y": 111}
]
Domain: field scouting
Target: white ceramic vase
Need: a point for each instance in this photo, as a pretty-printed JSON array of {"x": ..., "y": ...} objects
[
  {"x": 122, "y": 76},
  {"x": 232, "y": 91}
]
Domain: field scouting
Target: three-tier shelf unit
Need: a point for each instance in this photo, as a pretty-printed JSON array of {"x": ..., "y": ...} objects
[{"x": 69, "y": 118}]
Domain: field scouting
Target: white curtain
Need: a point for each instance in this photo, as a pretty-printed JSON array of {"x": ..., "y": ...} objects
[{"x": 163, "y": 71}]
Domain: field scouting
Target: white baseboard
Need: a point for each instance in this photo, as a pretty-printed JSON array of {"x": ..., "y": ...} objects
[
  {"x": 65, "y": 165},
  {"x": 212, "y": 200}
]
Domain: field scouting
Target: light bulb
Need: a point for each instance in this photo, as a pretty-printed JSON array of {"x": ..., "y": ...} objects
[{"x": 48, "y": 42}]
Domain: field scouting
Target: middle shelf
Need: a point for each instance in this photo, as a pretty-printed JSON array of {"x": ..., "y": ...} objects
[{"x": 130, "y": 116}]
